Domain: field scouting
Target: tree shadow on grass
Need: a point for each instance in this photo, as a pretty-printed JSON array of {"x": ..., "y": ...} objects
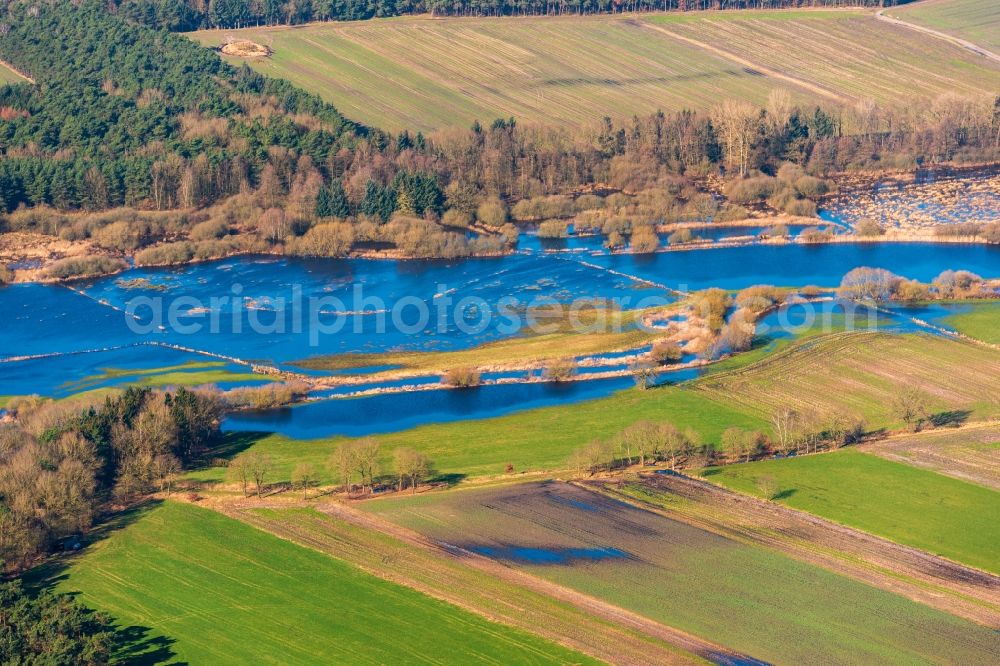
[
  {"x": 230, "y": 445},
  {"x": 133, "y": 644},
  {"x": 951, "y": 418},
  {"x": 784, "y": 494},
  {"x": 448, "y": 479}
]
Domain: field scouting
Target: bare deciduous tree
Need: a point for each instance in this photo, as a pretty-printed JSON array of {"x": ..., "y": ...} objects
[
  {"x": 738, "y": 124},
  {"x": 412, "y": 465},
  {"x": 785, "y": 421},
  {"x": 911, "y": 406},
  {"x": 304, "y": 477}
]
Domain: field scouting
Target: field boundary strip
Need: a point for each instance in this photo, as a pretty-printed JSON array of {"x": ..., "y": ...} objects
[
  {"x": 739, "y": 60},
  {"x": 957, "y": 41}
]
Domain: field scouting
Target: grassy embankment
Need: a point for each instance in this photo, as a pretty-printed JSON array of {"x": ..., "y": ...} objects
[
  {"x": 842, "y": 372},
  {"x": 981, "y": 322},
  {"x": 746, "y": 597},
  {"x": 416, "y": 73},
  {"x": 534, "y": 440},
  {"x": 906, "y": 504},
  {"x": 977, "y": 21},
  {"x": 220, "y": 591},
  {"x": 611, "y": 331}
]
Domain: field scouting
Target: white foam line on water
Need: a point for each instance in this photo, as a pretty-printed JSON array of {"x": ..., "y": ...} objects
[
  {"x": 143, "y": 343},
  {"x": 75, "y": 352},
  {"x": 634, "y": 278},
  {"x": 80, "y": 292}
]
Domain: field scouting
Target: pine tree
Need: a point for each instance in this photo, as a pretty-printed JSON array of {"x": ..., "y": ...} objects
[
  {"x": 340, "y": 207},
  {"x": 324, "y": 205}
]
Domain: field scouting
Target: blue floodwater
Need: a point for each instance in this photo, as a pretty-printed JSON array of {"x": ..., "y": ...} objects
[
  {"x": 388, "y": 412},
  {"x": 799, "y": 265},
  {"x": 64, "y": 375},
  {"x": 45, "y": 319},
  {"x": 938, "y": 313},
  {"x": 543, "y": 556}
]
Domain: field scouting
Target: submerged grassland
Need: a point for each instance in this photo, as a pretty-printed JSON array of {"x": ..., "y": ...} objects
[
  {"x": 848, "y": 373},
  {"x": 981, "y": 322}
]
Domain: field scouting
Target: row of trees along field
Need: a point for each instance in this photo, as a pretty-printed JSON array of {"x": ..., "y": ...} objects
[
  {"x": 124, "y": 115},
  {"x": 182, "y": 15}
]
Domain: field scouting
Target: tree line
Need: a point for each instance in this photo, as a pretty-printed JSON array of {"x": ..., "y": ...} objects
[
  {"x": 357, "y": 465},
  {"x": 184, "y": 15},
  {"x": 61, "y": 463},
  {"x": 651, "y": 442},
  {"x": 125, "y": 115}
]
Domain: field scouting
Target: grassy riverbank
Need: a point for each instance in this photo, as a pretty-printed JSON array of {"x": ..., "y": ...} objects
[
  {"x": 845, "y": 372},
  {"x": 981, "y": 322},
  {"x": 534, "y": 440}
]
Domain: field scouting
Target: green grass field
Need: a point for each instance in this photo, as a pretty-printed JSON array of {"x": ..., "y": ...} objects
[
  {"x": 908, "y": 505},
  {"x": 422, "y": 73},
  {"x": 748, "y": 598},
  {"x": 7, "y": 75},
  {"x": 540, "y": 439},
  {"x": 453, "y": 579},
  {"x": 226, "y": 592},
  {"x": 975, "y": 20},
  {"x": 850, "y": 54},
  {"x": 981, "y": 322},
  {"x": 855, "y": 372}
]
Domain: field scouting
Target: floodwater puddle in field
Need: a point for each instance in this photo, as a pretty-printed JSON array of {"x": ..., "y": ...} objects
[{"x": 549, "y": 556}]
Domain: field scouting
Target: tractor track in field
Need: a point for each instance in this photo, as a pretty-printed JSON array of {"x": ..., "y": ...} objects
[
  {"x": 605, "y": 631},
  {"x": 748, "y": 64},
  {"x": 923, "y": 577},
  {"x": 957, "y": 41}
]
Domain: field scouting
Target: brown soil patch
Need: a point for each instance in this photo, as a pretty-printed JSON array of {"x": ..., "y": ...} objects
[{"x": 244, "y": 48}]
